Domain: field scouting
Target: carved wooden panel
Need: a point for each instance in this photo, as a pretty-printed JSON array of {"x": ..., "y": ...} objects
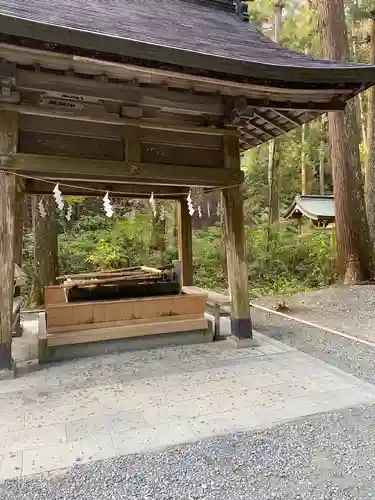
[
  {"x": 174, "y": 154},
  {"x": 70, "y": 127},
  {"x": 74, "y": 146}
]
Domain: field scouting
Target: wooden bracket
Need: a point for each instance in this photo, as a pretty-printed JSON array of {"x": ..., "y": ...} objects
[{"x": 6, "y": 161}]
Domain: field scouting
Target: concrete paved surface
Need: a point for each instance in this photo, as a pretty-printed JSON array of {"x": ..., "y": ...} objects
[
  {"x": 99, "y": 408},
  {"x": 26, "y": 347}
]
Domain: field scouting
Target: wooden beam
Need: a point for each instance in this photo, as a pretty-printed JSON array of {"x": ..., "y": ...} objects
[
  {"x": 185, "y": 243},
  {"x": 82, "y": 169},
  {"x": 8, "y": 187},
  {"x": 285, "y": 115},
  {"x": 112, "y": 91},
  {"x": 330, "y": 105},
  {"x": 199, "y": 83},
  {"x": 113, "y": 119},
  {"x": 245, "y": 132},
  {"x": 94, "y": 189},
  {"x": 231, "y": 152},
  {"x": 151, "y": 76},
  {"x": 270, "y": 133},
  {"x": 260, "y": 115}
]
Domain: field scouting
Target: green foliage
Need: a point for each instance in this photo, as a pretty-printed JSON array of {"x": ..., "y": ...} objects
[
  {"x": 209, "y": 258},
  {"x": 125, "y": 243},
  {"x": 292, "y": 263}
]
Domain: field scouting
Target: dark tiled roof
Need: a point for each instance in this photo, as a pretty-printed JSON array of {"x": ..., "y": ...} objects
[{"x": 187, "y": 32}]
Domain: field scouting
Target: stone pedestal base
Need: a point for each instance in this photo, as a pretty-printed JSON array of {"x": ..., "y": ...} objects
[{"x": 242, "y": 343}]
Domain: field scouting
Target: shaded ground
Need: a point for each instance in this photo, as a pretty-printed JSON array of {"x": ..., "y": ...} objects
[{"x": 328, "y": 456}]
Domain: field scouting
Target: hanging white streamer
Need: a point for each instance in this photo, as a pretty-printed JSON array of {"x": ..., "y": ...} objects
[
  {"x": 107, "y": 205},
  {"x": 208, "y": 210},
  {"x": 42, "y": 209},
  {"x": 59, "y": 199},
  {"x": 199, "y": 211},
  {"x": 152, "y": 204},
  {"x": 190, "y": 204}
]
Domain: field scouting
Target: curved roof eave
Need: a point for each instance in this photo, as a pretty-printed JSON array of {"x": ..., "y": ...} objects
[{"x": 305, "y": 73}]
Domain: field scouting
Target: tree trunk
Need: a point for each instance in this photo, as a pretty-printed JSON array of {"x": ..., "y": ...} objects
[
  {"x": 353, "y": 243},
  {"x": 306, "y": 180},
  {"x": 370, "y": 157},
  {"x": 45, "y": 253},
  {"x": 273, "y": 183},
  {"x": 359, "y": 108},
  {"x": 322, "y": 156},
  {"x": 304, "y": 175}
]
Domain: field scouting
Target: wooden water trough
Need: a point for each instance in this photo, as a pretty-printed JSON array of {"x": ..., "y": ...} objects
[{"x": 115, "y": 305}]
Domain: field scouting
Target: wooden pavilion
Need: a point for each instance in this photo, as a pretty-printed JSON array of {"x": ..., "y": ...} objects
[{"x": 147, "y": 96}]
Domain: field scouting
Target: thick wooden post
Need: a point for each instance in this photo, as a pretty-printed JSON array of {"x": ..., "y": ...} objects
[
  {"x": 19, "y": 224},
  {"x": 235, "y": 241},
  {"x": 8, "y": 192},
  {"x": 185, "y": 243},
  {"x": 237, "y": 262}
]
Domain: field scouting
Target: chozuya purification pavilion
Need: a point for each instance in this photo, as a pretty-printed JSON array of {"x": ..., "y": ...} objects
[{"x": 147, "y": 96}]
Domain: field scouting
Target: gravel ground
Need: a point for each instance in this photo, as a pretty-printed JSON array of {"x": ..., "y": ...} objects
[
  {"x": 350, "y": 310},
  {"x": 347, "y": 309},
  {"x": 328, "y": 456}
]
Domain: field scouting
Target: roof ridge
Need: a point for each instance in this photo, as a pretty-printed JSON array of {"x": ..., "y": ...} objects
[
  {"x": 239, "y": 7},
  {"x": 226, "y": 5}
]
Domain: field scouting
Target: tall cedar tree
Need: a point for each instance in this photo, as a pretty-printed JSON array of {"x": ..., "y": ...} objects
[
  {"x": 274, "y": 145},
  {"x": 370, "y": 158},
  {"x": 353, "y": 242}
]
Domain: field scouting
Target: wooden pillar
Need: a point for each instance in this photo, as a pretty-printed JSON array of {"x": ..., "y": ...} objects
[
  {"x": 19, "y": 224},
  {"x": 8, "y": 192},
  {"x": 235, "y": 241},
  {"x": 185, "y": 243}
]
